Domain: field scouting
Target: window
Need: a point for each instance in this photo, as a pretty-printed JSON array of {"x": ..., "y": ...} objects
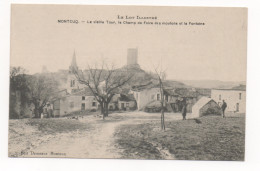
[
  {"x": 83, "y": 97},
  {"x": 152, "y": 97},
  {"x": 219, "y": 97},
  {"x": 240, "y": 96},
  {"x": 94, "y": 104},
  {"x": 127, "y": 104},
  {"x": 158, "y": 96},
  {"x": 71, "y": 104}
]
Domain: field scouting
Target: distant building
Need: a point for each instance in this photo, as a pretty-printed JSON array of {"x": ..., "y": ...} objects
[
  {"x": 235, "y": 98},
  {"x": 132, "y": 56}
]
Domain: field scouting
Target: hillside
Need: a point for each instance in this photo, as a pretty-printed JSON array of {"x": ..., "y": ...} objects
[{"x": 212, "y": 83}]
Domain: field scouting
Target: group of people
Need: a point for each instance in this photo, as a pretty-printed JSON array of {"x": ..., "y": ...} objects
[{"x": 184, "y": 109}]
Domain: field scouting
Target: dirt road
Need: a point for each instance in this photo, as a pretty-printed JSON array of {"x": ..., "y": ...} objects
[{"x": 97, "y": 142}]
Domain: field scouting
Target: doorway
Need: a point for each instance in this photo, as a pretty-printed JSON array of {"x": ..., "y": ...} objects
[
  {"x": 122, "y": 105},
  {"x": 83, "y": 106},
  {"x": 237, "y": 107}
]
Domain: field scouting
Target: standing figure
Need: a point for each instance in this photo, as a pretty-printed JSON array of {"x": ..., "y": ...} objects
[
  {"x": 223, "y": 107},
  {"x": 184, "y": 111},
  {"x": 42, "y": 115}
]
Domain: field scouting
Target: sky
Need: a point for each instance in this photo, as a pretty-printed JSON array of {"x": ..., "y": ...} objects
[{"x": 214, "y": 51}]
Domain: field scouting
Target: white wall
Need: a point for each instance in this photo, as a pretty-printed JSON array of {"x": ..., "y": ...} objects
[
  {"x": 232, "y": 99},
  {"x": 65, "y": 104},
  {"x": 144, "y": 97}
]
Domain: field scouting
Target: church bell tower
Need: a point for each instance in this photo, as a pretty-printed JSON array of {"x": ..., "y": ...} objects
[{"x": 72, "y": 83}]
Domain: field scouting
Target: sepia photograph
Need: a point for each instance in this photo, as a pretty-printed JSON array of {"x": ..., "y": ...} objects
[{"x": 127, "y": 82}]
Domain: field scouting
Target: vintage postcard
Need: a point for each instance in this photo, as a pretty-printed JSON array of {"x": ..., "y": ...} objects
[{"x": 128, "y": 82}]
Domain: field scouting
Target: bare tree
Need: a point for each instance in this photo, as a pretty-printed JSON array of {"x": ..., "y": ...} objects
[
  {"x": 104, "y": 83},
  {"x": 17, "y": 79},
  {"x": 161, "y": 76},
  {"x": 41, "y": 88},
  {"x": 15, "y": 71}
]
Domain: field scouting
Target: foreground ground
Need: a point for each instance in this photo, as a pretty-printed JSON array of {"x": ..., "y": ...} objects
[
  {"x": 206, "y": 138},
  {"x": 129, "y": 135}
]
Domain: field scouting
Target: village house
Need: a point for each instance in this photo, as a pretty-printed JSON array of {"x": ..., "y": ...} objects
[
  {"x": 234, "y": 97},
  {"x": 144, "y": 94},
  {"x": 84, "y": 100},
  {"x": 78, "y": 101},
  {"x": 126, "y": 102},
  {"x": 174, "y": 97}
]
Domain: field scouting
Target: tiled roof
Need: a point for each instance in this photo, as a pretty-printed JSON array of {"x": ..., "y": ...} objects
[
  {"x": 183, "y": 92},
  {"x": 127, "y": 98}
]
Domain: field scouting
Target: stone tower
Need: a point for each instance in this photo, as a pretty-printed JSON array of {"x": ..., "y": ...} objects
[{"x": 132, "y": 55}]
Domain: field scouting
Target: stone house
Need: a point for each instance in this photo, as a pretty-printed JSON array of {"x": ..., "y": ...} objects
[
  {"x": 205, "y": 106},
  {"x": 126, "y": 102},
  {"x": 84, "y": 100},
  {"x": 78, "y": 101},
  {"x": 146, "y": 94},
  {"x": 234, "y": 97}
]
